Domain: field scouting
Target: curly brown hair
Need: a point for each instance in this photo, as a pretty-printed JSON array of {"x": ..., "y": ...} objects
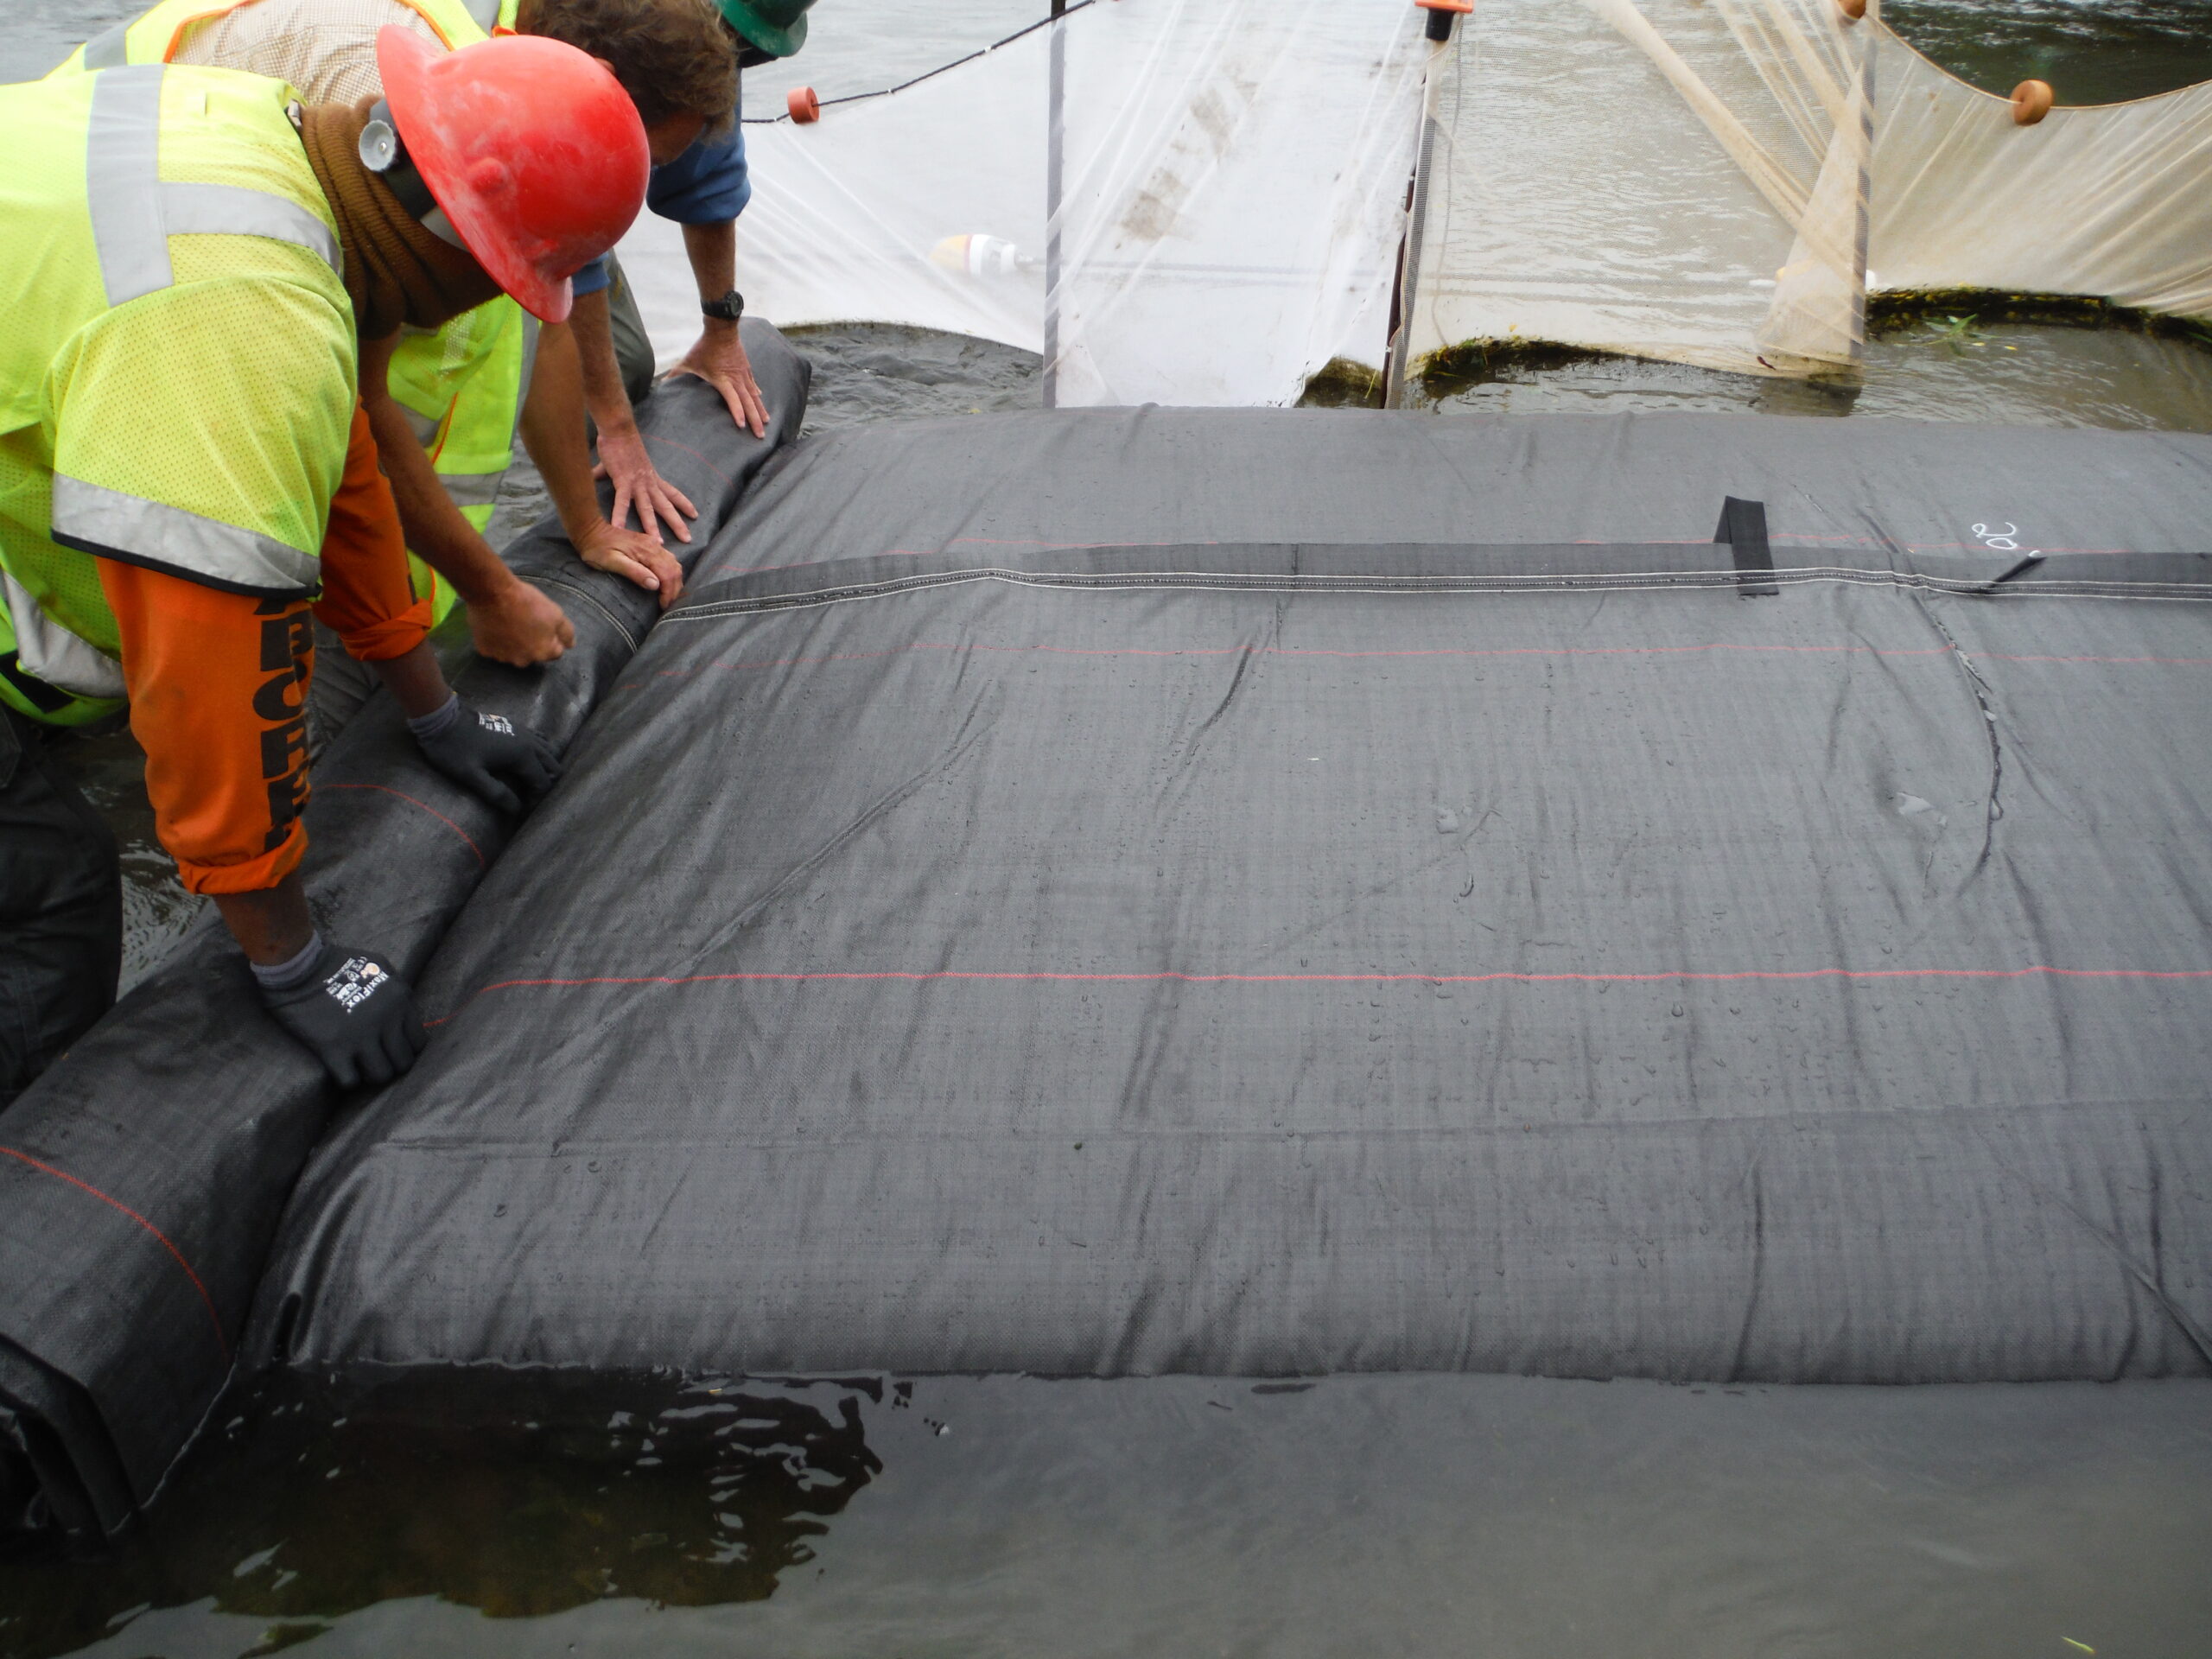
[{"x": 673, "y": 57}]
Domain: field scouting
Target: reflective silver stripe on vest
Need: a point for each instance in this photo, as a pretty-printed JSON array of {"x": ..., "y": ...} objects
[
  {"x": 169, "y": 538},
  {"x": 134, "y": 213},
  {"x": 472, "y": 489},
  {"x": 50, "y": 652},
  {"x": 228, "y": 210},
  {"x": 485, "y": 13},
  {"x": 110, "y": 50},
  {"x": 123, "y": 159}
]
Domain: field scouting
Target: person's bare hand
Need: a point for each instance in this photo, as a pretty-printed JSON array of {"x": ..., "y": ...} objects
[
  {"x": 638, "y": 483},
  {"x": 635, "y": 555},
  {"x": 519, "y": 626},
  {"x": 718, "y": 358}
]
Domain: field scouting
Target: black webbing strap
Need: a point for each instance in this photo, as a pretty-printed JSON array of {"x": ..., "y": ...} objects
[{"x": 1742, "y": 526}]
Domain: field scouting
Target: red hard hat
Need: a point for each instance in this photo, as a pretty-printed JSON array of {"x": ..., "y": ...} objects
[{"x": 532, "y": 148}]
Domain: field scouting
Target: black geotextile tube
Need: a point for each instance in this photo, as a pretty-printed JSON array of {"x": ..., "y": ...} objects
[
  {"x": 1116, "y": 893},
  {"x": 142, "y": 1177}
]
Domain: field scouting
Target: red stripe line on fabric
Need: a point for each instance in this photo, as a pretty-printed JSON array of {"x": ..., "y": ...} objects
[
  {"x": 175, "y": 1254},
  {"x": 996, "y": 541},
  {"x": 382, "y": 789},
  {"x": 1678, "y": 976},
  {"x": 655, "y": 437}
]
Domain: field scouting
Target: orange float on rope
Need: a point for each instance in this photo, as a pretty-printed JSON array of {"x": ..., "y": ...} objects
[
  {"x": 804, "y": 104},
  {"x": 2031, "y": 101},
  {"x": 1853, "y": 10}
]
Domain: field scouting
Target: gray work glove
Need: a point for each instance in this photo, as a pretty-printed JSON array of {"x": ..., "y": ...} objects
[
  {"x": 503, "y": 764},
  {"x": 348, "y": 1009}
]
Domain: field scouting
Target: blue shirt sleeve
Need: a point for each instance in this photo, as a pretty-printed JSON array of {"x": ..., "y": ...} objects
[
  {"x": 708, "y": 184},
  {"x": 590, "y": 279}
]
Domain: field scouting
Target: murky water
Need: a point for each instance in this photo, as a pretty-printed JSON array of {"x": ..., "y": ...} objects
[
  {"x": 1401, "y": 1515},
  {"x": 979, "y": 1516}
]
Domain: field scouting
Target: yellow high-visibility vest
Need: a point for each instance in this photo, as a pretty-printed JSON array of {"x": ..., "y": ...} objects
[
  {"x": 461, "y": 385},
  {"x": 177, "y": 370}
]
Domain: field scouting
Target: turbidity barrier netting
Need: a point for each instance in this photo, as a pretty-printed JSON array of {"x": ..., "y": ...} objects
[
  {"x": 1232, "y": 178},
  {"x": 1206, "y": 203},
  {"x": 1721, "y": 181}
]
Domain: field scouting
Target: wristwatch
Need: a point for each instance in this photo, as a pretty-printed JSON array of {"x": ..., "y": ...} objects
[{"x": 728, "y": 308}]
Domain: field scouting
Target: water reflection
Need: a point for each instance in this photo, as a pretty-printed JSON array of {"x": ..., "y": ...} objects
[
  {"x": 2090, "y": 51},
  {"x": 311, "y": 1503},
  {"x": 1509, "y": 1517},
  {"x": 108, "y": 769}
]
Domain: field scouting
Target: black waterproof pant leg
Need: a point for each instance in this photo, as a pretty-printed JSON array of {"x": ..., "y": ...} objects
[{"x": 60, "y": 910}]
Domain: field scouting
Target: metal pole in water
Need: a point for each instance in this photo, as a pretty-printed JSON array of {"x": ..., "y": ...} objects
[
  {"x": 1864, "y": 228},
  {"x": 1394, "y": 380},
  {"x": 1054, "y": 127}
]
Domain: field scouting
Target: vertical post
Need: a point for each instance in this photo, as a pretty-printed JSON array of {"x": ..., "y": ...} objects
[
  {"x": 1055, "y": 129},
  {"x": 1870, "y": 38},
  {"x": 1409, "y": 285}
]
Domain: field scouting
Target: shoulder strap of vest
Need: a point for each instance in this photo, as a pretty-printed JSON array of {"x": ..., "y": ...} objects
[
  {"x": 153, "y": 36},
  {"x": 110, "y": 48},
  {"x": 135, "y": 211}
]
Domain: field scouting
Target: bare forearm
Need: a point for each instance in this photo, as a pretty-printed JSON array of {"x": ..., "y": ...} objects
[
  {"x": 553, "y": 431},
  {"x": 603, "y": 392},
  {"x": 712, "y": 250},
  {"x": 718, "y": 356},
  {"x": 272, "y": 926},
  {"x": 417, "y": 684},
  {"x": 509, "y": 620},
  {"x": 623, "y": 461},
  {"x": 436, "y": 529}
]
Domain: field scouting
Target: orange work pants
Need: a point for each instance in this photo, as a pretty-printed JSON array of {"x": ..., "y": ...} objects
[{"x": 219, "y": 683}]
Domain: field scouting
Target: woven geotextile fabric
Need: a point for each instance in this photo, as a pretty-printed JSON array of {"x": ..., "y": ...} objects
[{"x": 1639, "y": 904}]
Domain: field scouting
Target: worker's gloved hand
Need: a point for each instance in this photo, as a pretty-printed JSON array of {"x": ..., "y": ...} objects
[
  {"x": 504, "y": 764},
  {"x": 348, "y": 1008}
]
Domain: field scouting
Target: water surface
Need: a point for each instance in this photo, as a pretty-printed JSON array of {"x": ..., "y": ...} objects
[{"x": 1505, "y": 1517}]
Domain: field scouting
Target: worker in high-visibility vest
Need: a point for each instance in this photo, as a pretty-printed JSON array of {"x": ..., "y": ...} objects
[
  {"x": 186, "y": 476},
  {"x": 449, "y": 403}
]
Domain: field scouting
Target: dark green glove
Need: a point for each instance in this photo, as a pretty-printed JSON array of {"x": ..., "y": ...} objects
[
  {"x": 351, "y": 1012},
  {"x": 503, "y": 764}
]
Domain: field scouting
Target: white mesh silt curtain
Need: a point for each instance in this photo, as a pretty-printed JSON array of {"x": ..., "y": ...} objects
[
  {"x": 1717, "y": 181},
  {"x": 2113, "y": 201},
  {"x": 848, "y": 211},
  {"x": 1234, "y": 198},
  {"x": 1232, "y": 187}
]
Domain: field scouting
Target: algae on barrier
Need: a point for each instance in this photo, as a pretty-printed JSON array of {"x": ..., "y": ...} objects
[
  {"x": 1954, "y": 312},
  {"x": 1343, "y": 384},
  {"x": 1893, "y": 310}
]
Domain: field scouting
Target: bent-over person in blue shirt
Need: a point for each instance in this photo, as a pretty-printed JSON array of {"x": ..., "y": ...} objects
[{"x": 704, "y": 190}]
